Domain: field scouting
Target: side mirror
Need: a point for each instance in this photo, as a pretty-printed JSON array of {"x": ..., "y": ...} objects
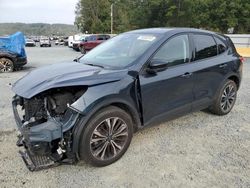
[{"x": 156, "y": 66}]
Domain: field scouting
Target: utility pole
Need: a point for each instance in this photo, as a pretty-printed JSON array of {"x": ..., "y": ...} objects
[{"x": 111, "y": 15}]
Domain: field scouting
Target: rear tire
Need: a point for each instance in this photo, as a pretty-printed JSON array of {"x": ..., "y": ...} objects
[
  {"x": 106, "y": 136},
  {"x": 225, "y": 98}
]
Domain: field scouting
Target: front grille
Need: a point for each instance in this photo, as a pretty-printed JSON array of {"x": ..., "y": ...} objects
[{"x": 35, "y": 162}]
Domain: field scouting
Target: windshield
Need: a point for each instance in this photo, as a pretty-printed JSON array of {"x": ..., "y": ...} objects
[{"x": 120, "y": 51}]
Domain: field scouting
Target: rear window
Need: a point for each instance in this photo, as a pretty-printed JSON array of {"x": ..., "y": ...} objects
[
  {"x": 103, "y": 37},
  {"x": 205, "y": 46},
  {"x": 231, "y": 46},
  {"x": 221, "y": 46}
]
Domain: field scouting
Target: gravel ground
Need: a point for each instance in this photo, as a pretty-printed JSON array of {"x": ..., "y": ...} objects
[{"x": 197, "y": 150}]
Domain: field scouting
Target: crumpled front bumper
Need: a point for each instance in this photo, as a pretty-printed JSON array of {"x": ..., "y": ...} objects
[
  {"x": 44, "y": 132},
  {"x": 36, "y": 139},
  {"x": 36, "y": 162}
]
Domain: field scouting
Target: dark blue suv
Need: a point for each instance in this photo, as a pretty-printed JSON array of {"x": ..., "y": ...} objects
[{"x": 89, "y": 110}]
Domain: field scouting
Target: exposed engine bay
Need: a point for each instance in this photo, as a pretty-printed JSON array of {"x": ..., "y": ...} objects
[
  {"x": 52, "y": 103},
  {"x": 50, "y": 112}
]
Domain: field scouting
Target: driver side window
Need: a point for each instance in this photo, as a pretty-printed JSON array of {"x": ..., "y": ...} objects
[{"x": 174, "y": 52}]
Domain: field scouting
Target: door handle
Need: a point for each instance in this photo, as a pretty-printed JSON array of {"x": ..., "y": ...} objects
[
  {"x": 223, "y": 65},
  {"x": 187, "y": 75}
]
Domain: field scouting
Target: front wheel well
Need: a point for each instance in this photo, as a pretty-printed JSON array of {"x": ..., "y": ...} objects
[
  {"x": 79, "y": 128},
  {"x": 236, "y": 80},
  {"x": 131, "y": 112}
]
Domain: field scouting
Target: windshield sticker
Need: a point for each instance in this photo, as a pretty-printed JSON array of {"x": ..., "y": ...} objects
[{"x": 147, "y": 38}]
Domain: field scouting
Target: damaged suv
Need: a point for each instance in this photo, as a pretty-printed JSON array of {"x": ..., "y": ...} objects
[{"x": 90, "y": 109}]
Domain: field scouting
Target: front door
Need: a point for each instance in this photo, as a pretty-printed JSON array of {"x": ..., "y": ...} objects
[{"x": 168, "y": 92}]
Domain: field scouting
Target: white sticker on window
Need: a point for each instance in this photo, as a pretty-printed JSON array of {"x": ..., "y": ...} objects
[{"x": 147, "y": 38}]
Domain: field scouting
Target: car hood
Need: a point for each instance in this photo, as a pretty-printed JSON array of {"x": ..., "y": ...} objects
[{"x": 62, "y": 75}]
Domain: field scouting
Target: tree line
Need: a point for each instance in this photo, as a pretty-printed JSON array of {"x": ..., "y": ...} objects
[{"x": 94, "y": 16}]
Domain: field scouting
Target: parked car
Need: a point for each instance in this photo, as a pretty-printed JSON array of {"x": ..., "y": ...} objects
[
  {"x": 91, "y": 42},
  {"x": 66, "y": 41},
  {"x": 10, "y": 61},
  {"x": 12, "y": 52},
  {"x": 74, "y": 40},
  {"x": 45, "y": 42},
  {"x": 59, "y": 41},
  {"x": 30, "y": 43},
  {"x": 89, "y": 110},
  {"x": 70, "y": 41},
  {"x": 36, "y": 39},
  {"x": 76, "y": 43}
]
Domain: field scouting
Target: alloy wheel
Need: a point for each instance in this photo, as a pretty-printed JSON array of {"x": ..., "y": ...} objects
[
  {"x": 109, "y": 138},
  {"x": 6, "y": 65},
  {"x": 228, "y": 98}
]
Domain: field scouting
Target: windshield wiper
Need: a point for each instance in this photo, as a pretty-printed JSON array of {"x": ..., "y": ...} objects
[{"x": 95, "y": 65}]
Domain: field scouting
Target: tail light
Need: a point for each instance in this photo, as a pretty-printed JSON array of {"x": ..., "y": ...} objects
[{"x": 242, "y": 59}]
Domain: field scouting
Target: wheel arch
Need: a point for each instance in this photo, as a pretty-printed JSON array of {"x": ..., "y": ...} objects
[
  {"x": 236, "y": 79},
  {"x": 8, "y": 57},
  {"x": 231, "y": 76},
  {"x": 131, "y": 112}
]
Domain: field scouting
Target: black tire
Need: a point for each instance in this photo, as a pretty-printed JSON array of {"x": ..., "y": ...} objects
[
  {"x": 82, "y": 49},
  {"x": 102, "y": 151},
  {"x": 6, "y": 65},
  {"x": 225, "y": 98}
]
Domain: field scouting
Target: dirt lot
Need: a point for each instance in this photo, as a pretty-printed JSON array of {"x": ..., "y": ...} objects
[{"x": 198, "y": 150}]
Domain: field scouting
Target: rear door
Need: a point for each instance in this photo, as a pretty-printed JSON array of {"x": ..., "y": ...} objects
[
  {"x": 168, "y": 92},
  {"x": 210, "y": 67}
]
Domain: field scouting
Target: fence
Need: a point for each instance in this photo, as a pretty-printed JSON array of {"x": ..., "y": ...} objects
[{"x": 242, "y": 43}]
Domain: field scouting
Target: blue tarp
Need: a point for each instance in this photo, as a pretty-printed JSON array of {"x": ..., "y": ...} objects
[{"x": 14, "y": 43}]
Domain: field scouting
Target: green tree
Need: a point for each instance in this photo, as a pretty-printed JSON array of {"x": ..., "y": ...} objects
[
  {"x": 93, "y": 16},
  {"x": 217, "y": 15}
]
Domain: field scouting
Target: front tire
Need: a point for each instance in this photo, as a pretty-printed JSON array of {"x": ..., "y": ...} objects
[
  {"x": 82, "y": 49},
  {"x": 106, "y": 136},
  {"x": 225, "y": 99}
]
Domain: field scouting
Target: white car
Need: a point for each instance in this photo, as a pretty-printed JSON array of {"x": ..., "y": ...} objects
[
  {"x": 45, "y": 42},
  {"x": 59, "y": 42},
  {"x": 30, "y": 43},
  {"x": 70, "y": 41}
]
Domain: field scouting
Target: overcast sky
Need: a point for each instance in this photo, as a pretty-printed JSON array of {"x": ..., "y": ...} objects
[{"x": 42, "y": 11}]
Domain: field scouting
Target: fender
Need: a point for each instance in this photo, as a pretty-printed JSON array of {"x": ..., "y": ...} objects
[
  {"x": 83, "y": 120},
  {"x": 8, "y": 56},
  {"x": 98, "y": 97}
]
